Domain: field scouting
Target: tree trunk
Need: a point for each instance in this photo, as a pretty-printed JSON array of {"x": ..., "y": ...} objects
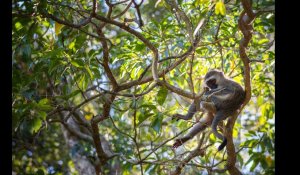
[{"x": 82, "y": 164}]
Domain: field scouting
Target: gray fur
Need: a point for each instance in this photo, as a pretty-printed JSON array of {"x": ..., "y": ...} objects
[
  {"x": 227, "y": 101},
  {"x": 222, "y": 100}
]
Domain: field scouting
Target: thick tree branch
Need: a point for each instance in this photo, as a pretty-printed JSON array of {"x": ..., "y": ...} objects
[
  {"x": 97, "y": 142},
  {"x": 106, "y": 59},
  {"x": 245, "y": 25}
]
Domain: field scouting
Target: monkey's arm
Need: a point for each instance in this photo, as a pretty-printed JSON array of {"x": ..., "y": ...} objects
[
  {"x": 192, "y": 110},
  {"x": 200, "y": 126},
  {"x": 221, "y": 94},
  {"x": 217, "y": 91}
]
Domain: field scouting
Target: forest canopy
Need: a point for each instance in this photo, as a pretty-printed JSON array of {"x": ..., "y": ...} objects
[{"x": 96, "y": 83}]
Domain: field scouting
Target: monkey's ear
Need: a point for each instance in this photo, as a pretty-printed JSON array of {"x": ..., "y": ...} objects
[{"x": 221, "y": 73}]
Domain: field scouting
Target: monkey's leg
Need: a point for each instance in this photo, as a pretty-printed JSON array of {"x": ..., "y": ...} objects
[
  {"x": 200, "y": 126},
  {"x": 192, "y": 110},
  {"x": 219, "y": 117}
]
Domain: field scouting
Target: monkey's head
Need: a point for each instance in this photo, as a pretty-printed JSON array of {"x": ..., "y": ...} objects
[{"x": 213, "y": 78}]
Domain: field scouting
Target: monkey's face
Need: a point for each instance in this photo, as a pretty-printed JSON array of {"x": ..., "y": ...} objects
[
  {"x": 211, "y": 83},
  {"x": 212, "y": 78}
]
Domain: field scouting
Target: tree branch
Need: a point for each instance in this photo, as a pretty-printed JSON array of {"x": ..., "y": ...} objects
[{"x": 245, "y": 25}]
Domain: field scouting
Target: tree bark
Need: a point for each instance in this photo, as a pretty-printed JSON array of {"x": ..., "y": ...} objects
[{"x": 82, "y": 164}]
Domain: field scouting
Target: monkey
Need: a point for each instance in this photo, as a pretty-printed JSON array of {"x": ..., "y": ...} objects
[
  {"x": 222, "y": 98},
  {"x": 209, "y": 109}
]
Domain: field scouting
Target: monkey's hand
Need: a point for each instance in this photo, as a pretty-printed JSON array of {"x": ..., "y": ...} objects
[
  {"x": 206, "y": 98},
  {"x": 179, "y": 142},
  {"x": 177, "y": 117},
  {"x": 205, "y": 89}
]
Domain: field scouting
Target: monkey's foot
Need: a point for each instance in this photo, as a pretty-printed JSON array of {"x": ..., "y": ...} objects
[{"x": 177, "y": 143}]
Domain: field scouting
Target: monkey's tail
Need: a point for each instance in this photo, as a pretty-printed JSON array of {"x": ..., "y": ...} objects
[
  {"x": 223, "y": 144},
  {"x": 214, "y": 125}
]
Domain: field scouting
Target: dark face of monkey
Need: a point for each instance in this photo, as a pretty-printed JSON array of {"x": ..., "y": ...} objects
[
  {"x": 212, "y": 83},
  {"x": 212, "y": 78}
]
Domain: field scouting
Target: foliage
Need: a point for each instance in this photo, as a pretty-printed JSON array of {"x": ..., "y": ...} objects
[{"x": 61, "y": 70}]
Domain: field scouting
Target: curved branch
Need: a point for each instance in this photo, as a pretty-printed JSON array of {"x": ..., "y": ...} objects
[
  {"x": 245, "y": 25},
  {"x": 139, "y": 36},
  {"x": 123, "y": 12},
  {"x": 131, "y": 95},
  {"x": 160, "y": 145},
  {"x": 142, "y": 80},
  {"x": 106, "y": 59},
  {"x": 183, "y": 16},
  {"x": 69, "y": 24},
  {"x": 97, "y": 142}
]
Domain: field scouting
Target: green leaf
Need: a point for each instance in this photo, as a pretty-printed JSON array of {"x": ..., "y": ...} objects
[
  {"x": 96, "y": 72},
  {"x": 44, "y": 104},
  {"x": 133, "y": 104},
  {"x": 27, "y": 51},
  {"x": 262, "y": 120},
  {"x": 40, "y": 172},
  {"x": 156, "y": 124},
  {"x": 162, "y": 95},
  {"x": 58, "y": 28},
  {"x": 46, "y": 23},
  {"x": 151, "y": 106},
  {"x": 72, "y": 94},
  {"x": 139, "y": 47},
  {"x": 252, "y": 133},
  {"x": 77, "y": 63},
  {"x": 44, "y": 101},
  {"x": 254, "y": 165},
  {"x": 135, "y": 72},
  {"x": 263, "y": 41},
  {"x": 35, "y": 125},
  {"x": 212, "y": 138},
  {"x": 240, "y": 159},
  {"x": 42, "y": 115},
  {"x": 179, "y": 2},
  {"x": 142, "y": 117},
  {"x": 252, "y": 157},
  {"x": 150, "y": 169},
  {"x": 260, "y": 100},
  {"x": 220, "y": 8},
  {"x": 72, "y": 45},
  {"x": 198, "y": 2},
  {"x": 89, "y": 71},
  {"x": 127, "y": 168},
  {"x": 18, "y": 26},
  {"x": 83, "y": 82}
]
